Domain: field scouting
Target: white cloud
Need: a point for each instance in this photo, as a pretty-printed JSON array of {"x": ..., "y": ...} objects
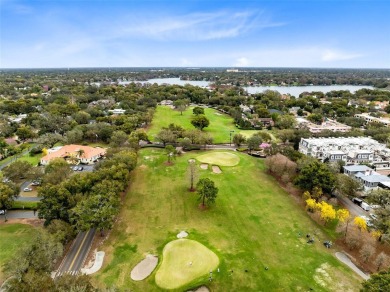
[
  {"x": 334, "y": 55},
  {"x": 242, "y": 62},
  {"x": 197, "y": 26}
]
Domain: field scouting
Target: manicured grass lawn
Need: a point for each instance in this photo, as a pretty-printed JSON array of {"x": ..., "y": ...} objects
[
  {"x": 184, "y": 261},
  {"x": 256, "y": 229},
  {"x": 219, "y": 128},
  {"x": 219, "y": 158},
  {"x": 34, "y": 160},
  {"x": 12, "y": 237},
  {"x": 24, "y": 205}
]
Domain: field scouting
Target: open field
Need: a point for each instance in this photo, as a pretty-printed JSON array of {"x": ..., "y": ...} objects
[
  {"x": 12, "y": 237},
  {"x": 184, "y": 260},
  {"x": 219, "y": 128},
  {"x": 256, "y": 229}
]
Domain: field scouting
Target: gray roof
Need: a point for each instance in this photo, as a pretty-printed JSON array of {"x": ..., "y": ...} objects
[
  {"x": 354, "y": 168},
  {"x": 375, "y": 178}
]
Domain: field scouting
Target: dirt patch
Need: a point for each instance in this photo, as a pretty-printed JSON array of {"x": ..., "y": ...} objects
[
  {"x": 144, "y": 268},
  {"x": 216, "y": 169},
  {"x": 204, "y": 166},
  {"x": 33, "y": 222}
]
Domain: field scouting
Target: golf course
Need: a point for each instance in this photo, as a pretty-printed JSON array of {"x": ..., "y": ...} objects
[
  {"x": 220, "y": 124},
  {"x": 251, "y": 239}
]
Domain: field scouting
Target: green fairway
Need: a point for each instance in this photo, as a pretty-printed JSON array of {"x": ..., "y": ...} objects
[
  {"x": 255, "y": 228},
  {"x": 220, "y": 124},
  {"x": 12, "y": 237},
  {"x": 219, "y": 158},
  {"x": 184, "y": 260}
]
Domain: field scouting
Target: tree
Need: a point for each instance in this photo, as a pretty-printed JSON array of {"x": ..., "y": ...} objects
[
  {"x": 347, "y": 185},
  {"x": 171, "y": 153},
  {"x": 254, "y": 142},
  {"x": 207, "y": 191},
  {"x": 8, "y": 193},
  {"x": 381, "y": 260},
  {"x": 82, "y": 117},
  {"x": 315, "y": 174},
  {"x": 366, "y": 252},
  {"x": 200, "y": 122},
  {"x": 377, "y": 282},
  {"x": 55, "y": 204},
  {"x": 327, "y": 212},
  {"x": 118, "y": 139},
  {"x": 239, "y": 139},
  {"x": 311, "y": 204},
  {"x": 343, "y": 215},
  {"x": 166, "y": 136},
  {"x": 286, "y": 122},
  {"x": 25, "y": 133},
  {"x": 56, "y": 171},
  {"x": 360, "y": 223},
  {"x": 198, "y": 110},
  {"x": 17, "y": 170},
  {"x": 286, "y": 135},
  {"x": 192, "y": 173},
  {"x": 315, "y": 118},
  {"x": 181, "y": 105}
]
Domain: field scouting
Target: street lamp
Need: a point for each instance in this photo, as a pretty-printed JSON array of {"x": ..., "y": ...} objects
[{"x": 231, "y": 137}]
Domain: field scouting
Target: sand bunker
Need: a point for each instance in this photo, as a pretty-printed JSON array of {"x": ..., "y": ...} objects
[
  {"x": 204, "y": 166},
  {"x": 216, "y": 169},
  {"x": 201, "y": 289},
  {"x": 144, "y": 268},
  {"x": 182, "y": 234}
]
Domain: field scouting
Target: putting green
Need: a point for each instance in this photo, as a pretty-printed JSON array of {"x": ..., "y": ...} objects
[
  {"x": 183, "y": 261},
  {"x": 219, "y": 158}
]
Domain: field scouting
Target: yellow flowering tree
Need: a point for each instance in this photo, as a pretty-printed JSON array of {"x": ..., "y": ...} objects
[
  {"x": 360, "y": 223},
  {"x": 327, "y": 212},
  {"x": 311, "y": 205},
  {"x": 343, "y": 215}
]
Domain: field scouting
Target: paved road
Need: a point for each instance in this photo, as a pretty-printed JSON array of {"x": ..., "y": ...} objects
[
  {"x": 354, "y": 209},
  {"x": 28, "y": 199},
  {"x": 20, "y": 214},
  {"x": 74, "y": 259},
  {"x": 346, "y": 260}
]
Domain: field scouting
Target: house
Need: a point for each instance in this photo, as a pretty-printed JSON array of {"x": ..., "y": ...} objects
[
  {"x": 328, "y": 124},
  {"x": 117, "y": 111},
  {"x": 74, "y": 154},
  {"x": 351, "y": 170}
]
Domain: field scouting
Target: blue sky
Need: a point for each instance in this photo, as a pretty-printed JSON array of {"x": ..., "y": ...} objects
[{"x": 186, "y": 33}]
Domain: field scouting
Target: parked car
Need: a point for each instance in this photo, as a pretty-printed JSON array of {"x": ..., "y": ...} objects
[
  {"x": 36, "y": 183},
  {"x": 357, "y": 201},
  {"x": 80, "y": 168},
  {"x": 2, "y": 212},
  {"x": 374, "y": 217},
  {"x": 75, "y": 168},
  {"x": 368, "y": 221},
  {"x": 365, "y": 206},
  {"x": 27, "y": 189}
]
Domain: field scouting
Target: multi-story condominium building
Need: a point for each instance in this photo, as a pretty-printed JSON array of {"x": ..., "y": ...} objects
[
  {"x": 352, "y": 150},
  {"x": 371, "y": 119}
]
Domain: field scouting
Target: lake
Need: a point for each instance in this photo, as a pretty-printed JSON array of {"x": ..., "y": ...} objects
[{"x": 293, "y": 90}]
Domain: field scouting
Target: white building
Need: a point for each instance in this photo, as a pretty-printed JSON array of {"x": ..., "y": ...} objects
[
  {"x": 117, "y": 111},
  {"x": 329, "y": 124},
  {"x": 352, "y": 150},
  {"x": 371, "y": 119}
]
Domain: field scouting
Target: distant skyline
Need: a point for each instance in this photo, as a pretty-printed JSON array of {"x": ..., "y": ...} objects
[{"x": 186, "y": 33}]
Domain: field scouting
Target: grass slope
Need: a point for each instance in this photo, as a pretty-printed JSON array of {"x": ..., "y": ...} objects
[
  {"x": 12, "y": 237},
  {"x": 253, "y": 225},
  {"x": 219, "y": 128},
  {"x": 176, "y": 271}
]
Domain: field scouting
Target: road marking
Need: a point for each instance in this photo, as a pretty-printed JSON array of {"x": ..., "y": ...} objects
[{"x": 81, "y": 245}]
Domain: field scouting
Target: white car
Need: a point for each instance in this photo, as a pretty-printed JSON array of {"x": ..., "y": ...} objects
[
  {"x": 27, "y": 189},
  {"x": 2, "y": 212}
]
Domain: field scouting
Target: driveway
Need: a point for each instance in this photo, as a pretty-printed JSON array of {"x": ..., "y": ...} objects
[{"x": 354, "y": 209}]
